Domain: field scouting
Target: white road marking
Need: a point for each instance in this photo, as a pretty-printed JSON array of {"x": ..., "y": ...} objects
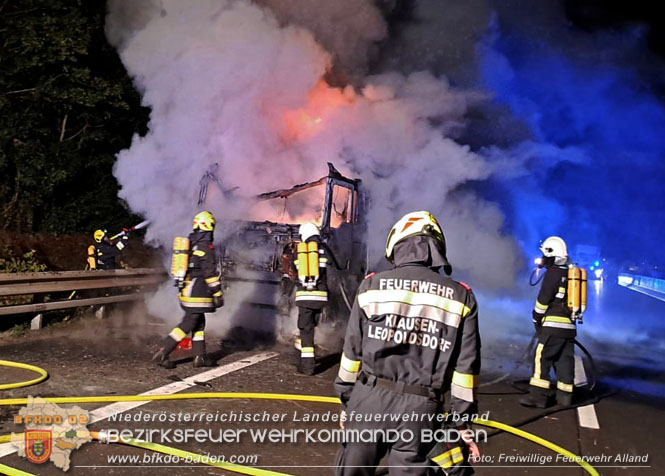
[
  {"x": 104, "y": 412},
  {"x": 580, "y": 374},
  {"x": 586, "y": 414}
]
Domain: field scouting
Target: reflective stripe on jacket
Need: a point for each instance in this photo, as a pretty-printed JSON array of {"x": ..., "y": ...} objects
[
  {"x": 202, "y": 280},
  {"x": 551, "y": 308},
  {"x": 414, "y": 326},
  {"x": 314, "y": 298}
]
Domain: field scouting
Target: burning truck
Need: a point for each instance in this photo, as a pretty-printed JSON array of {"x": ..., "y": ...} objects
[{"x": 256, "y": 257}]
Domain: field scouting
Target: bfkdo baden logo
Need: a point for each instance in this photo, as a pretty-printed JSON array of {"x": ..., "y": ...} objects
[
  {"x": 51, "y": 432},
  {"x": 38, "y": 445}
]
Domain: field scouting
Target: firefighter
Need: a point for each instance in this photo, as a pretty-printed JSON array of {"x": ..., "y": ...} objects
[
  {"x": 412, "y": 336},
  {"x": 556, "y": 330},
  {"x": 104, "y": 254},
  {"x": 311, "y": 291},
  {"x": 201, "y": 293}
]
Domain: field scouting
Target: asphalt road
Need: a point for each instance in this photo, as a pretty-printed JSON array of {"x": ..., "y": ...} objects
[{"x": 111, "y": 357}]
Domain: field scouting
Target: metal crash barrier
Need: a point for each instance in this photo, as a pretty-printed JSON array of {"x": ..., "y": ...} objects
[
  {"x": 653, "y": 287},
  {"x": 20, "y": 284}
]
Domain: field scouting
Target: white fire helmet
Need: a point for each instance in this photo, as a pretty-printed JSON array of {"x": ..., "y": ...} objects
[
  {"x": 554, "y": 246},
  {"x": 307, "y": 230}
]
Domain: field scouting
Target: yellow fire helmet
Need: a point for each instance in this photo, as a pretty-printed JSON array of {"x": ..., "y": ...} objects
[
  {"x": 99, "y": 235},
  {"x": 204, "y": 221},
  {"x": 412, "y": 224}
]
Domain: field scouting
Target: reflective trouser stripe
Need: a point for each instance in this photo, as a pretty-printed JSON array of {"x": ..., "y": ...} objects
[
  {"x": 539, "y": 382},
  {"x": 564, "y": 387},
  {"x": 297, "y": 344},
  {"x": 199, "y": 335},
  {"x": 307, "y": 352},
  {"x": 536, "y": 381},
  {"x": 177, "y": 334},
  {"x": 348, "y": 369},
  {"x": 449, "y": 458}
]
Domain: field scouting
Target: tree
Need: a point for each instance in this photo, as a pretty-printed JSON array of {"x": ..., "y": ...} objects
[{"x": 67, "y": 107}]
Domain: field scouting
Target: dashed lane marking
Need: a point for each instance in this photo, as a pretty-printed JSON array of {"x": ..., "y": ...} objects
[
  {"x": 104, "y": 412},
  {"x": 586, "y": 414}
]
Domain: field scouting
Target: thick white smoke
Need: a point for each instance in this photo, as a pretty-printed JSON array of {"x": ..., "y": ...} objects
[{"x": 230, "y": 84}]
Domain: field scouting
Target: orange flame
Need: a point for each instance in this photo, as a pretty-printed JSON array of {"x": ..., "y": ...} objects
[{"x": 308, "y": 121}]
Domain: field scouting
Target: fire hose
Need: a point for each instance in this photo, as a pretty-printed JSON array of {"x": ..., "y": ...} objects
[
  {"x": 229, "y": 395},
  {"x": 43, "y": 375}
]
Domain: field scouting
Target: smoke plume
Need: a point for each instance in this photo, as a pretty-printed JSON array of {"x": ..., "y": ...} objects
[
  {"x": 496, "y": 115},
  {"x": 243, "y": 86}
]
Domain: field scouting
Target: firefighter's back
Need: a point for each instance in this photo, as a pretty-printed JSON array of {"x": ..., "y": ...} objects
[{"x": 413, "y": 319}]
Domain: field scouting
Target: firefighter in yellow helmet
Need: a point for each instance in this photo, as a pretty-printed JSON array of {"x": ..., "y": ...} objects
[
  {"x": 311, "y": 290},
  {"x": 201, "y": 293},
  {"x": 104, "y": 253},
  {"x": 411, "y": 337},
  {"x": 556, "y": 330}
]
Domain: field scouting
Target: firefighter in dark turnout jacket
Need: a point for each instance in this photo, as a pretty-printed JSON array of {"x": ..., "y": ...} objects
[
  {"x": 104, "y": 254},
  {"x": 201, "y": 293},
  {"x": 311, "y": 291},
  {"x": 412, "y": 336},
  {"x": 555, "y": 328}
]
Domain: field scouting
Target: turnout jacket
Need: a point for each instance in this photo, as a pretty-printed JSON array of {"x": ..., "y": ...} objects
[
  {"x": 106, "y": 254},
  {"x": 415, "y": 327},
  {"x": 314, "y": 298},
  {"x": 201, "y": 281},
  {"x": 551, "y": 311}
]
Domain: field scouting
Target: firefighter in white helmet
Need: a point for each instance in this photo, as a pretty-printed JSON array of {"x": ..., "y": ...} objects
[
  {"x": 555, "y": 328},
  {"x": 411, "y": 337},
  {"x": 311, "y": 290},
  {"x": 201, "y": 293}
]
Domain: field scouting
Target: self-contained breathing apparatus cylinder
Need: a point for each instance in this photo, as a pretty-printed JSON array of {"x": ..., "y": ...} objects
[
  {"x": 92, "y": 259},
  {"x": 179, "y": 260},
  {"x": 308, "y": 264},
  {"x": 577, "y": 291}
]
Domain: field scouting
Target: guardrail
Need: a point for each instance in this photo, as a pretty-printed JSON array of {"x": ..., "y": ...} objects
[
  {"x": 653, "y": 287},
  {"x": 17, "y": 284}
]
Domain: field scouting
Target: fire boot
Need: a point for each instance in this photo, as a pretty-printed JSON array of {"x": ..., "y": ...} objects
[
  {"x": 564, "y": 399},
  {"x": 536, "y": 399},
  {"x": 162, "y": 359},
  {"x": 307, "y": 366},
  {"x": 204, "y": 361}
]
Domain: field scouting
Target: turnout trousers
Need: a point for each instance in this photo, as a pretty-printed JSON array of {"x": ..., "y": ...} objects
[
  {"x": 194, "y": 323},
  {"x": 557, "y": 352},
  {"x": 307, "y": 319},
  {"x": 407, "y": 455}
]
